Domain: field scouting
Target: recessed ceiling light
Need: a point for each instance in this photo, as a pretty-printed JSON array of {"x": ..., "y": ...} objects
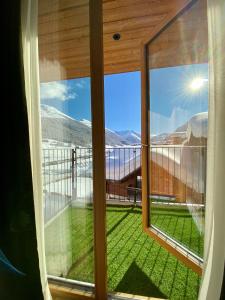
[{"x": 116, "y": 36}]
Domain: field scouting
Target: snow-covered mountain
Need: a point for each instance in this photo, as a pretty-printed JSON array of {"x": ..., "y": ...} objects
[
  {"x": 86, "y": 122},
  {"x": 59, "y": 127},
  {"x": 110, "y": 134},
  {"x": 51, "y": 112},
  {"x": 131, "y": 136}
]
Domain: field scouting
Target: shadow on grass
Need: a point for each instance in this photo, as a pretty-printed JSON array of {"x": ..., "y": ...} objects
[
  {"x": 136, "y": 282},
  {"x": 87, "y": 253},
  {"x": 131, "y": 210}
]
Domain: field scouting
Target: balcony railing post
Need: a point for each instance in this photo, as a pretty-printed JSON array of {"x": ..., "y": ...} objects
[
  {"x": 135, "y": 190},
  {"x": 74, "y": 174}
]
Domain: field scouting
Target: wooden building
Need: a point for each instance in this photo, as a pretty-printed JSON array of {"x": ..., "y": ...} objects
[{"x": 162, "y": 183}]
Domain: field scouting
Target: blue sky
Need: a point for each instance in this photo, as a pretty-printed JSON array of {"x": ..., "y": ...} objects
[
  {"x": 123, "y": 101},
  {"x": 177, "y": 93},
  {"x": 173, "y": 98}
]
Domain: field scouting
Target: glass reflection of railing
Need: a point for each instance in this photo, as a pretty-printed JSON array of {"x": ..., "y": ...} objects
[
  {"x": 179, "y": 172},
  {"x": 57, "y": 184},
  {"x": 178, "y": 178},
  {"x": 67, "y": 176}
]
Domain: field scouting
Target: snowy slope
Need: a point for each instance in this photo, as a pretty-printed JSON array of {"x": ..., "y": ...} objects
[
  {"x": 48, "y": 111},
  {"x": 131, "y": 136},
  {"x": 64, "y": 129},
  {"x": 86, "y": 122}
]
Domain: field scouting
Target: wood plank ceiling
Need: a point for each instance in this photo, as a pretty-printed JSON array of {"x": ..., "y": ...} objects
[
  {"x": 64, "y": 34},
  {"x": 184, "y": 42}
]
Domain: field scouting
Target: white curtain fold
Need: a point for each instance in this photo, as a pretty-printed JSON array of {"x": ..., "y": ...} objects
[
  {"x": 29, "y": 27},
  {"x": 214, "y": 255}
]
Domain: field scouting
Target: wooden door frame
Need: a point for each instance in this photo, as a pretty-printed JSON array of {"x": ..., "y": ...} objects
[
  {"x": 98, "y": 146},
  {"x": 98, "y": 143},
  {"x": 62, "y": 291},
  {"x": 169, "y": 245}
]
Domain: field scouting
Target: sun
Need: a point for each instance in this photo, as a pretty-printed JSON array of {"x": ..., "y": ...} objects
[{"x": 197, "y": 83}]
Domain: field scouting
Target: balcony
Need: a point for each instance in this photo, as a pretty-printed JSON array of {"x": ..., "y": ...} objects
[{"x": 136, "y": 263}]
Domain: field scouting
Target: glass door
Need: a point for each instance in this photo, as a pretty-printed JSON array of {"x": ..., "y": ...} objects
[
  {"x": 72, "y": 115},
  {"x": 175, "y": 119},
  {"x": 66, "y": 138}
]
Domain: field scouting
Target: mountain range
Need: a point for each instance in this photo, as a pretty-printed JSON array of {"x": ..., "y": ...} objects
[
  {"x": 59, "y": 128},
  {"x": 130, "y": 136}
]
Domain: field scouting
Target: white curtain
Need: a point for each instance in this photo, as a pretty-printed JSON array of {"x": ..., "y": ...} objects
[
  {"x": 215, "y": 207},
  {"x": 29, "y": 22}
]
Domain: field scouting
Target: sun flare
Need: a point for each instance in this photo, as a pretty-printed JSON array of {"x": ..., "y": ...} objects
[{"x": 197, "y": 83}]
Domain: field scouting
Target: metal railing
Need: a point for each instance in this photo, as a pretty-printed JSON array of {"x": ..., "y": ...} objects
[
  {"x": 57, "y": 180},
  {"x": 123, "y": 173},
  {"x": 177, "y": 174}
]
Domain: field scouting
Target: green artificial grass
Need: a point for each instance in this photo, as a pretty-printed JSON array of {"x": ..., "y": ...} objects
[
  {"x": 136, "y": 263},
  {"x": 178, "y": 223}
]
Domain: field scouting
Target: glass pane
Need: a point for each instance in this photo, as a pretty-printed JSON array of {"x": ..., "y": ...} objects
[
  {"x": 178, "y": 71},
  {"x": 66, "y": 135}
]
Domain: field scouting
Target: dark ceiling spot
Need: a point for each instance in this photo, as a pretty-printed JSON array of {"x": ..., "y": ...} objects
[{"x": 116, "y": 36}]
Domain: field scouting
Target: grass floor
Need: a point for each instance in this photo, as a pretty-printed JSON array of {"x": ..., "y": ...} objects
[
  {"x": 178, "y": 223},
  {"x": 136, "y": 263}
]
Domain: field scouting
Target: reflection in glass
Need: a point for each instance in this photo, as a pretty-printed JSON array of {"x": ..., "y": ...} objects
[
  {"x": 66, "y": 138},
  {"x": 178, "y": 73}
]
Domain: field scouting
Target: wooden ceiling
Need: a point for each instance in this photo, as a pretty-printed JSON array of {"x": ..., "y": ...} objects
[
  {"x": 184, "y": 42},
  {"x": 64, "y": 34}
]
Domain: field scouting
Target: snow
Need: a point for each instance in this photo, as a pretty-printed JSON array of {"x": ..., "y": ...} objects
[
  {"x": 198, "y": 126},
  {"x": 89, "y": 124},
  {"x": 82, "y": 188},
  {"x": 59, "y": 188},
  {"x": 86, "y": 122},
  {"x": 187, "y": 163},
  {"x": 114, "y": 138},
  {"x": 111, "y": 131},
  {"x": 48, "y": 111},
  {"x": 54, "y": 144},
  {"x": 136, "y": 136},
  {"x": 130, "y": 136}
]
